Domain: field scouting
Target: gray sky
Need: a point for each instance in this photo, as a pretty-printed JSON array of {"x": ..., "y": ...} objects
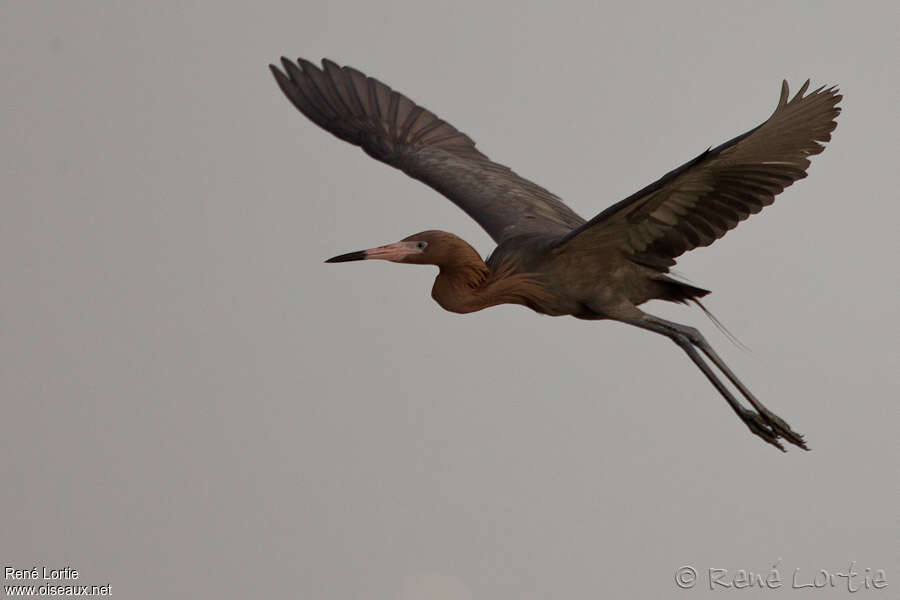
[{"x": 194, "y": 405}]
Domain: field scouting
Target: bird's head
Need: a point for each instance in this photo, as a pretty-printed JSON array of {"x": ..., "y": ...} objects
[{"x": 426, "y": 248}]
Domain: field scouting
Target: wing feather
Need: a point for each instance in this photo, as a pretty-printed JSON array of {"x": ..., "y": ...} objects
[
  {"x": 700, "y": 201},
  {"x": 393, "y": 129}
]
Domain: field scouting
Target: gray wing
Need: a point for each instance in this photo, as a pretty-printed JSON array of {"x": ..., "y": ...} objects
[
  {"x": 393, "y": 129},
  {"x": 700, "y": 201}
]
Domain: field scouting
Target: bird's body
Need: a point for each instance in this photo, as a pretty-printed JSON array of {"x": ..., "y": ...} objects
[
  {"x": 603, "y": 289},
  {"x": 548, "y": 258}
]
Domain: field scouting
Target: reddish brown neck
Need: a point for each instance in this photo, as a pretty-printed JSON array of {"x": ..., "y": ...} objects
[
  {"x": 469, "y": 286},
  {"x": 456, "y": 287}
]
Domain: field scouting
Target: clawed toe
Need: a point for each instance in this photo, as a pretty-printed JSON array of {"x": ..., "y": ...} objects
[
  {"x": 781, "y": 429},
  {"x": 760, "y": 427},
  {"x": 771, "y": 427}
]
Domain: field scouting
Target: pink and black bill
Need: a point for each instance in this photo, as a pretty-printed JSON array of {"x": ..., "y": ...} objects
[
  {"x": 358, "y": 255},
  {"x": 396, "y": 252}
]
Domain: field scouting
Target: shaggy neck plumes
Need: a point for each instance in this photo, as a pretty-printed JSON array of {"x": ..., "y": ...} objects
[
  {"x": 472, "y": 286},
  {"x": 465, "y": 283}
]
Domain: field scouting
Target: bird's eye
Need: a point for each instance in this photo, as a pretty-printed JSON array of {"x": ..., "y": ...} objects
[{"x": 421, "y": 245}]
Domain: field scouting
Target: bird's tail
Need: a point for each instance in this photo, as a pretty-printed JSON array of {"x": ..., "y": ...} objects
[{"x": 682, "y": 292}]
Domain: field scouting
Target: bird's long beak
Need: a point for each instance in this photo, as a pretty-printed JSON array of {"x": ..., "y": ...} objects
[{"x": 394, "y": 252}]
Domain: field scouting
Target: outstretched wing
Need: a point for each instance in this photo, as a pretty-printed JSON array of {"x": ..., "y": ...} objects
[
  {"x": 702, "y": 200},
  {"x": 393, "y": 129}
]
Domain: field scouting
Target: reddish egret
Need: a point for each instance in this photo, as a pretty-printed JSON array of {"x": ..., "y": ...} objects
[{"x": 547, "y": 257}]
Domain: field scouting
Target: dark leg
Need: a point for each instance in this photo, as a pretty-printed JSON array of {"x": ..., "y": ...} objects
[
  {"x": 763, "y": 423},
  {"x": 777, "y": 423}
]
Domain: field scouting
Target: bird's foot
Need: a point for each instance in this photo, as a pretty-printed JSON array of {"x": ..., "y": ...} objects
[
  {"x": 760, "y": 426},
  {"x": 781, "y": 429},
  {"x": 770, "y": 427}
]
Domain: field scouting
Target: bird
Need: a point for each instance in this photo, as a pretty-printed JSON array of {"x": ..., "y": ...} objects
[{"x": 550, "y": 259}]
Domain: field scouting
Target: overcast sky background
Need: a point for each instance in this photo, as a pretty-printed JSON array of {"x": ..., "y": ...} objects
[{"x": 194, "y": 405}]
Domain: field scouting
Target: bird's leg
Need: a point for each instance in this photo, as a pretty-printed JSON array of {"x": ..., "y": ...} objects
[
  {"x": 757, "y": 424},
  {"x": 778, "y": 425}
]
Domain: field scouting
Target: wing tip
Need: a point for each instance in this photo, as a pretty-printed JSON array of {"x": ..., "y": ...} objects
[
  {"x": 785, "y": 91},
  {"x": 282, "y": 78},
  {"x": 307, "y": 66},
  {"x": 830, "y": 95}
]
